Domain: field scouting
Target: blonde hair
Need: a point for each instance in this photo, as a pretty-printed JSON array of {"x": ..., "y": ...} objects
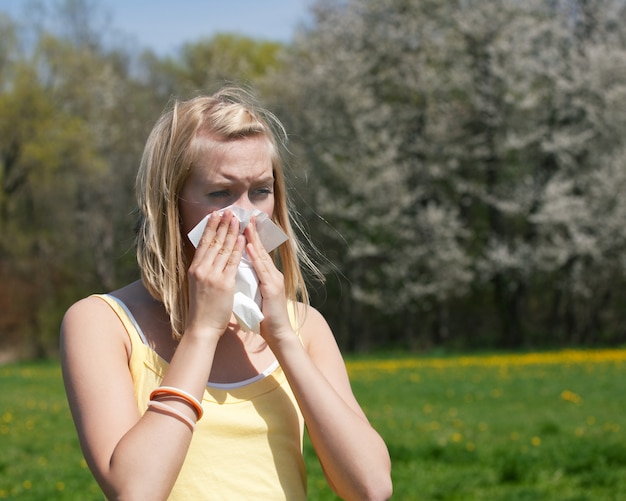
[{"x": 171, "y": 150}]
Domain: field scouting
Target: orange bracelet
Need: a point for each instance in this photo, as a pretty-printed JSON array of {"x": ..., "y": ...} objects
[{"x": 182, "y": 394}]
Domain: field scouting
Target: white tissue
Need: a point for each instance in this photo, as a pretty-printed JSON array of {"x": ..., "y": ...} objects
[{"x": 247, "y": 301}]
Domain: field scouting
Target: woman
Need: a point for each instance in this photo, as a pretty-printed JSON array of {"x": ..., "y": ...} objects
[{"x": 144, "y": 363}]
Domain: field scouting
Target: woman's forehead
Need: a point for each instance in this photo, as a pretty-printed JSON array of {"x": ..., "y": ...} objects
[{"x": 225, "y": 160}]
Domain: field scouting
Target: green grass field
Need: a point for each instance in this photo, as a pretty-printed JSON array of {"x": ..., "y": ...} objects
[{"x": 545, "y": 426}]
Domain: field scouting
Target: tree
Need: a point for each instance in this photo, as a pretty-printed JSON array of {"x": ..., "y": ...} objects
[
  {"x": 38, "y": 143},
  {"x": 439, "y": 139},
  {"x": 361, "y": 102},
  {"x": 204, "y": 65},
  {"x": 72, "y": 126}
]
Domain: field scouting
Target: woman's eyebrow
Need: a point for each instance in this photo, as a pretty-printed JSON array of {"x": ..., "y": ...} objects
[{"x": 225, "y": 179}]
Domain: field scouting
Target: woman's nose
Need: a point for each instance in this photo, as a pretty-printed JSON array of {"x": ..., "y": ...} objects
[{"x": 244, "y": 202}]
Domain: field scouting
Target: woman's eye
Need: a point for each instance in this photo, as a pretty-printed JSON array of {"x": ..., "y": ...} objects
[
  {"x": 219, "y": 194},
  {"x": 263, "y": 191}
]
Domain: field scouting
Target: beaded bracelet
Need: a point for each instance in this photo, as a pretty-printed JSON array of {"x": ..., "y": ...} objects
[
  {"x": 172, "y": 411},
  {"x": 182, "y": 394}
]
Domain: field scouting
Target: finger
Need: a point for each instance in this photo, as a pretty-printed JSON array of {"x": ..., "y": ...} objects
[
  {"x": 208, "y": 234},
  {"x": 261, "y": 256},
  {"x": 229, "y": 246},
  {"x": 260, "y": 261},
  {"x": 253, "y": 237},
  {"x": 235, "y": 256},
  {"x": 214, "y": 236}
]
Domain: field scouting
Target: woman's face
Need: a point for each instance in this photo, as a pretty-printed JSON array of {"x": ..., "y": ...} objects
[{"x": 238, "y": 173}]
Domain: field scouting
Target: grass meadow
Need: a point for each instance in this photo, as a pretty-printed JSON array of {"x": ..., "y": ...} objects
[{"x": 538, "y": 426}]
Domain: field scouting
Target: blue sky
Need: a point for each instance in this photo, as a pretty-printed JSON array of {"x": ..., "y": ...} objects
[{"x": 164, "y": 25}]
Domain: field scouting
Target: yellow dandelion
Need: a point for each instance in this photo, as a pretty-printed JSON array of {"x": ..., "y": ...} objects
[
  {"x": 457, "y": 437},
  {"x": 27, "y": 484},
  {"x": 60, "y": 486},
  {"x": 434, "y": 425},
  {"x": 611, "y": 427},
  {"x": 579, "y": 432},
  {"x": 570, "y": 396},
  {"x": 536, "y": 441},
  {"x": 470, "y": 446}
]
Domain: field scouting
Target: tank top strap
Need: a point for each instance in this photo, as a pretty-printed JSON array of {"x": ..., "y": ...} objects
[
  {"x": 136, "y": 335},
  {"x": 294, "y": 318},
  {"x": 146, "y": 367}
]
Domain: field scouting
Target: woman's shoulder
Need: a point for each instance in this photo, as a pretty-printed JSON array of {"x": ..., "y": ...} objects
[
  {"x": 91, "y": 308},
  {"x": 312, "y": 325},
  {"x": 95, "y": 307},
  {"x": 90, "y": 321},
  {"x": 305, "y": 314}
]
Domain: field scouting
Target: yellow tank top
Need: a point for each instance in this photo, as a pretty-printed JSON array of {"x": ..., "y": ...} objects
[{"x": 248, "y": 445}]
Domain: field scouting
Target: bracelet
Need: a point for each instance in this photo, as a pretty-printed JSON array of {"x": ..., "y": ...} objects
[
  {"x": 182, "y": 394},
  {"x": 172, "y": 411}
]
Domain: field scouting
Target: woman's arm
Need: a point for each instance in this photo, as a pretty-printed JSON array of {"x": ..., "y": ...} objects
[
  {"x": 354, "y": 457},
  {"x": 131, "y": 456},
  {"x": 134, "y": 456}
]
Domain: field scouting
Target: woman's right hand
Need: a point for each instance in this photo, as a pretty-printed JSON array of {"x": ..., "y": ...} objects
[{"x": 212, "y": 275}]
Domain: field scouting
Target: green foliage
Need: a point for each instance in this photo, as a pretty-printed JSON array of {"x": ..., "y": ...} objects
[
  {"x": 235, "y": 57},
  {"x": 204, "y": 65}
]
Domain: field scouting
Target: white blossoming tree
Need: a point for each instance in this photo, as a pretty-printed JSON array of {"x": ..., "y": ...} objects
[{"x": 465, "y": 159}]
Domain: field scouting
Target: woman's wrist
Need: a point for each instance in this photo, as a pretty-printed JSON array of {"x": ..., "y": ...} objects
[
  {"x": 202, "y": 335},
  {"x": 283, "y": 341}
]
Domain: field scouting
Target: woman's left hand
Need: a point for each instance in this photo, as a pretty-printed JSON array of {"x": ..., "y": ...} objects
[{"x": 272, "y": 286}]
